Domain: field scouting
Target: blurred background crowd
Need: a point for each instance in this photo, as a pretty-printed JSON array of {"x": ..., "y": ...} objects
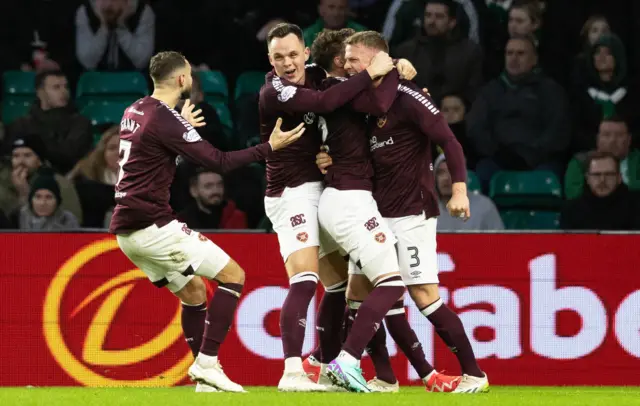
[{"x": 542, "y": 95}]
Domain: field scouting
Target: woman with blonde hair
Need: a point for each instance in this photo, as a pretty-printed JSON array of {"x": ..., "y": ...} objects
[{"x": 95, "y": 176}]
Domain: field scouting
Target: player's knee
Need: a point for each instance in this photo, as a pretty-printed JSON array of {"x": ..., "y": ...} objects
[
  {"x": 358, "y": 288},
  {"x": 425, "y": 294},
  {"x": 194, "y": 292},
  {"x": 304, "y": 260},
  {"x": 231, "y": 273},
  {"x": 333, "y": 269}
]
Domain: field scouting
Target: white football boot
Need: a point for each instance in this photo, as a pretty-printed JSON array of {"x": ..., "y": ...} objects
[
  {"x": 324, "y": 379},
  {"x": 472, "y": 384},
  {"x": 299, "y": 382},
  {"x": 378, "y": 385},
  {"x": 204, "y": 388},
  {"x": 212, "y": 375}
]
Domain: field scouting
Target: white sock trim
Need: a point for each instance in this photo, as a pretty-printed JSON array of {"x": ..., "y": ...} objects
[
  {"x": 304, "y": 277},
  {"x": 427, "y": 311},
  {"x": 338, "y": 287},
  {"x": 394, "y": 312},
  {"x": 232, "y": 292},
  {"x": 192, "y": 305}
]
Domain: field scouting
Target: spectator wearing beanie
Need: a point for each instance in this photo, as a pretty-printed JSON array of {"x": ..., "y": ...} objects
[
  {"x": 28, "y": 158},
  {"x": 43, "y": 211}
]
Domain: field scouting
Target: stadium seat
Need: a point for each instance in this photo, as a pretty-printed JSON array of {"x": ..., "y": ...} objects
[
  {"x": 224, "y": 114},
  {"x": 526, "y": 190},
  {"x": 473, "y": 183},
  {"x": 18, "y": 83},
  {"x": 249, "y": 83},
  {"x": 114, "y": 86},
  {"x": 214, "y": 86},
  {"x": 105, "y": 113},
  {"x": 530, "y": 220},
  {"x": 14, "y": 108}
]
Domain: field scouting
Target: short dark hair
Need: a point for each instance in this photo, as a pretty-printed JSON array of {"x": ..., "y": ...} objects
[
  {"x": 164, "y": 63},
  {"x": 370, "y": 39},
  {"x": 452, "y": 6},
  {"x": 283, "y": 29},
  {"x": 329, "y": 44},
  {"x": 598, "y": 155},
  {"x": 195, "y": 176},
  {"x": 529, "y": 39},
  {"x": 616, "y": 118},
  {"x": 41, "y": 77}
]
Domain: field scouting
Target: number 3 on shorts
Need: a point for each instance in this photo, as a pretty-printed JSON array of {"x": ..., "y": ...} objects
[{"x": 414, "y": 256}]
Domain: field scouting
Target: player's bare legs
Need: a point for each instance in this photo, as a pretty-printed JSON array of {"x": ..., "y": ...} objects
[
  {"x": 450, "y": 329},
  {"x": 219, "y": 317}
]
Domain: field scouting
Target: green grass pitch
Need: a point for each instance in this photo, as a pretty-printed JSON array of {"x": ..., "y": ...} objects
[{"x": 261, "y": 396}]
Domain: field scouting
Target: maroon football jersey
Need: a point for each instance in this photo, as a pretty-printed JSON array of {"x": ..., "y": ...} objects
[
  {"x": 295, "y": 165},
  {"x": 152, "y": 135},
  {"x": 345, "y": 133},
  {"x": 400, "y": 144}
]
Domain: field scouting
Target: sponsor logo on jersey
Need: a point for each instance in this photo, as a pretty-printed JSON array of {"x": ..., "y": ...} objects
[
  {"x": 381, "y": 238},
  {"x": 302, "y": 237},
  {"x": 192, "y": 136},
  {"x": 134, "y": 111},
  {"x": 382, "y": 121},
  {"x": 374, "y": 144},
  {"x": 287, "y": 93}
]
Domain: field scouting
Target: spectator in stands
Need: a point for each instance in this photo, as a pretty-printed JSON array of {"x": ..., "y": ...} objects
[
  {"x": 94, "y": 178},
  {"x": 334, "y": 15},
  {"x": 43, "y": 211},
  {"x": 115, "y": 34},
  {"x": 613, "y": 138},
  {"x": 594, "y": 28},
  {"x": 519, "y": 121},
  {"x": 454, "y": 110},
  {"x": 211, "y": 210},
  {"x": 28, "y": 158},
  {"x": 484, "y": 214},
  {"x": 66, "y": 134},
  {"x": 607, "y": 91},
  {"x": 445, "y": 61},
  {"x": 4, "y": 221},
  {"x": 607, "y": 204}
]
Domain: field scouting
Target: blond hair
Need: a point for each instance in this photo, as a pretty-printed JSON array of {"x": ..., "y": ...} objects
[
  {"x": 93, "y": 165},
  {"x": 369, "y": 39}
]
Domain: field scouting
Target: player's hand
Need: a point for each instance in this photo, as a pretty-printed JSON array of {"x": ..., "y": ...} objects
[
  {"x": 280, "y": 139},
  {"x": 458, "y": 205},
  {"x": 406, "y": 69},
  {"x": 193, "y": 117},
  {"x": 381, "y": 64},
  {"x": 323, "y": 160},
  {"x": 19, "y": 181}
]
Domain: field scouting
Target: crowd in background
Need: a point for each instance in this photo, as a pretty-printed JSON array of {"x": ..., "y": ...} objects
[{"x": 525, "y": 85}]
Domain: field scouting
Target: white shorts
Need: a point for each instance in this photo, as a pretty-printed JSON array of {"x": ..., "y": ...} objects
[
  {"x": 294, "y": 216},
  {"x": 351, "y": 218},
  {"x": 417, "y": 254},
  {"x": 172, "y": 254}
]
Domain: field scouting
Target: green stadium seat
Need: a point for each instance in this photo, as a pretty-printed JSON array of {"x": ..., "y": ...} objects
[
  {"x": 530, "y": 220},
  {"x": 473, "y": 183},
  {"x": 105, "y": 113},
  {"x": 249, "y": 83},
  {"x": 18, "y": 83},
  {"x": 526, "y": 190},
  {"x": 224, "y": 114},
  {"x": 14, "y": 108},
  {"x": 114, "y": 86},
  {"x": 214, "y": 85}
]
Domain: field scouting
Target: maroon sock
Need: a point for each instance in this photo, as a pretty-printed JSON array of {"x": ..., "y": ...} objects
[
  {"x": 402, "y": 333},
  {"x": 450, "y": 329},
  {"x": 193, "y": 325},
  {"x": 329, "y": 322},
  {"x": 377, "y": 350},
  {"x": 371, "y": 313},
  {"x": 293, "y": 316},
  {"x": 220, "y": 313},
  {"x": 348, "y": 318}
]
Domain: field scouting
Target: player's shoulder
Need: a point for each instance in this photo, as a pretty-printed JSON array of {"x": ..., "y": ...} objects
[
  {"x": 411, "y": 95},
  {"x": 331, "y": 81}
]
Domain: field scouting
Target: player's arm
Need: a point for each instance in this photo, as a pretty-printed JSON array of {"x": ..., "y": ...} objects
[
  {"x": 433, "y": 125},
  {"x": 378, "y": 100}
]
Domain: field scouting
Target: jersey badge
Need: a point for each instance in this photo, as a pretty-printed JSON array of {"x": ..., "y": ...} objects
[
  {"x": 381, "y": 238},
  {"x": 382, "y": 121},
  {"x": 192, "y": 136},
  {"x": 302, "y": 237},
  {"x": 287, "y": 93}
]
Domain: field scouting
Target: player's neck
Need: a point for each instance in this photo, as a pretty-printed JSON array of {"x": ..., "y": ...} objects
[{"x": 168, "y": 97}]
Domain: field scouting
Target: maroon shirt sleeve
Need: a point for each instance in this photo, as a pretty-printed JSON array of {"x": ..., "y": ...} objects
[
  {"x": 181, "y": 138},
  {"x": 423, "y": 112},
  {"x": 378, "y": 101},
  {"x": 295, "y": 99}
]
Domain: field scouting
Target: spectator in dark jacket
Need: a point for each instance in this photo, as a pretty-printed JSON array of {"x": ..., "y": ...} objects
[
  {"x": 65, "y": 133},
  {"x": 520, "y": 120},
  {"x": 446, "y": 62},
  {"x": 94, "y": 178},
  {"x": 211, "y": 210},
  {"x": 607, "y": 204}
]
